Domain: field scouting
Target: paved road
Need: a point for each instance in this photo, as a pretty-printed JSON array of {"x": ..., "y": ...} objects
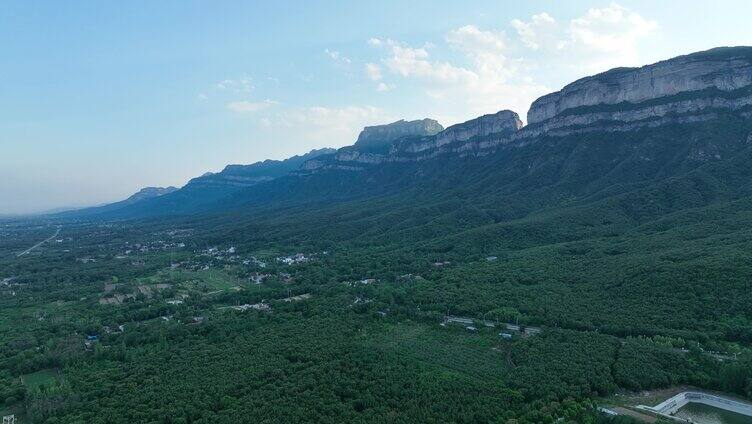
[{"x": 40, "y": 243}]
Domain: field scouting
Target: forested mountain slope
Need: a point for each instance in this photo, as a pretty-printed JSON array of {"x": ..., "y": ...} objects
[{"x": 617, "y": 223}]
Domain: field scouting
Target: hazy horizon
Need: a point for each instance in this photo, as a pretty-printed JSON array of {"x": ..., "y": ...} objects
[{"x": 100, "y": 101}]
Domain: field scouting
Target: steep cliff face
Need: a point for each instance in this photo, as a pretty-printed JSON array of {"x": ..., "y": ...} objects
[
  {"x": 692, "y": 84},
  {"x": 384, "y": 135},
  {"x": 502, "y": 123},
  {"x": 664, "y": 101},
  {"x": 473, "y": 137},
  {"x": 686, "y": 89}
]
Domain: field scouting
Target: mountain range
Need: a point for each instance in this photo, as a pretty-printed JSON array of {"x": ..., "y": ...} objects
[{"x": 606, "y": 136}]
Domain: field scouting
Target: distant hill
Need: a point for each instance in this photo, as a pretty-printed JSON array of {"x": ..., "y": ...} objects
[
  {"x": 148, "y": 193},
  {"x": 200, "y": 191},
  {"x": 143, "y": 194}
]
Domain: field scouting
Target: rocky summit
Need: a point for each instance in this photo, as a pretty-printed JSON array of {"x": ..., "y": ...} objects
[
  {"x": 503, "y": 122},
  {"x": 467, "y": 138},
  {"x": 383, "y": 135}
]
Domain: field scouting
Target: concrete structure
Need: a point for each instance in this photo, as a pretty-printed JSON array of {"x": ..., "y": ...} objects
[
  {"x": 670, "y": 406},
  {"x": 607, "y": 411},
  {"x": 459, "y": 320},
  {"x": 305, "y": 296}
]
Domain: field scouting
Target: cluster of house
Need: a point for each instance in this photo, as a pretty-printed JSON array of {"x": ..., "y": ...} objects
[
  {"x": 509, "y": 330},
  {"x": 228, "y": 254},
  {"x": 111, "y": 298},
  {"x": 191, "y": 265},
  {"x": 524, "y": 331},
  {"x": 299, "y": 258},
  {"x": 176, "y": 233},
  {"x": 225, "y": 256},
  {"x": 264, "y": 306},
  {"x": 363, "y": 282},
  {"x": 85, "y": 260},
  {"x": 261, "y": 306},
  {"x": 90, "y": 340},
  {"x": 155, "y": 245},
  {"x": 408, "y": 278},
  {"x": 120, "y": 329},
  {"x": 294, "y": 259},
  {"x": 257, "y": 278},
  {"x": 303, "y": 296},
  {"x": 207, "y": 258},
  {"x": 253, "y": 261},
  {"x": 361, "y": 300},
  {"x": 7, "y": 283}
]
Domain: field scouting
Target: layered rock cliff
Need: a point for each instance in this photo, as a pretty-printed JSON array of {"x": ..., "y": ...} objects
[
  {"x": 692, "y": 87},
  {"x": 468, "y": 138},
  {"x": 504, "y": 122},
  {"x": 384, "y": 135},
  {"x": 705, "y": 86}
]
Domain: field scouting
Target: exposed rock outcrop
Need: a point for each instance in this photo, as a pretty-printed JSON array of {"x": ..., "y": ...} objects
[
  {"x": 504, "y": 122},
  {"x": 686, "y": 89},
  {"x": 717, "y": 78},
  {"x": 384, "y": 135},
  {"x": 471, "y": 137}
]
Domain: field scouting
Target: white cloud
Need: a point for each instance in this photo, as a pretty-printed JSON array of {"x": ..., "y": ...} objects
[
  {"x": 373, "y": 71},
  {"x": 486, "y": 82},
  {"x": 471, "y": 39},
  {"x": 375, "y": 42},
  {"x": 484, "y": 48},
  {"x": 600, "y": 39},
  {"x": 383, "y": 87},
  {"x": 328, "y": 126},
  {"x": 540, "y": 31},
  {"x": 247, "y": 107},
  {"x": 612, "y": 32},
  {"x": 337, "y": 56},
  {"x": 414, "y": 62},
  {"x": 241, "y": 85}
]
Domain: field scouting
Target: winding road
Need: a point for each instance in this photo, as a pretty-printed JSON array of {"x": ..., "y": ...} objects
[{"x": 40, "y": 243}]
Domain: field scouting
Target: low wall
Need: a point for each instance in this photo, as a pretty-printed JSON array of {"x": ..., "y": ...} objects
[{"x": 670, "y": 406}]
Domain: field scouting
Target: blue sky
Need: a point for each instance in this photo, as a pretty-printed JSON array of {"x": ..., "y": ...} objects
[{"x": 99, "y": 99}]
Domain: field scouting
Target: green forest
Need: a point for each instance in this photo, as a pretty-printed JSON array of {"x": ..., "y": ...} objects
[{"x": 528, "y": 286}]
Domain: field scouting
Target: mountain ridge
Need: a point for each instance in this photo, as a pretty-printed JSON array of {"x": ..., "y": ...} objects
[{"x": 719, "y": 83}]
